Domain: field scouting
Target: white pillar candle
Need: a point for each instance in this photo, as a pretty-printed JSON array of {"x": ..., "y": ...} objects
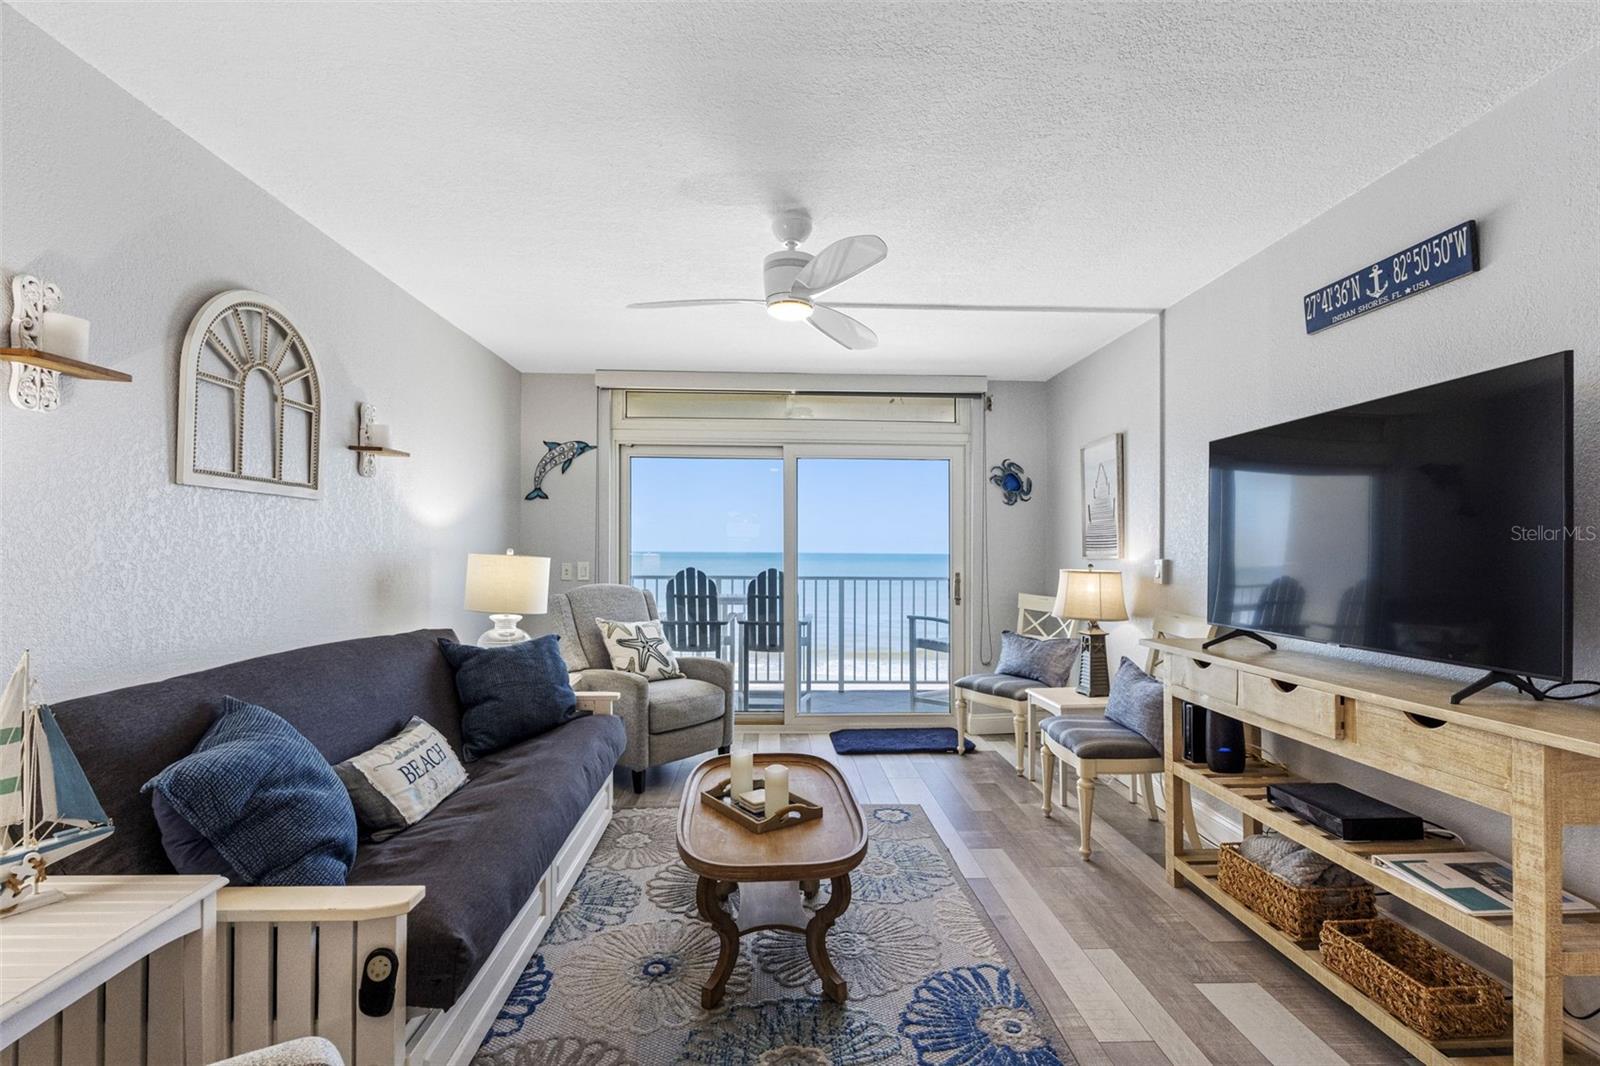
[
  {"x": 61, "y": 334},
  {"x": 743, "y": 772},
  {"x": 777, "y": 787},
  {"x": 378, "y": 436}
]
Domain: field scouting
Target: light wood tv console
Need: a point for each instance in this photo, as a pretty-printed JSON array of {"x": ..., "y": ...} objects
[{"x": 1538, "y": 763}]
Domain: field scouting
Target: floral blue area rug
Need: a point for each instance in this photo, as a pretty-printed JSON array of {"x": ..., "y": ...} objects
[{"x": 617, "y": 980}]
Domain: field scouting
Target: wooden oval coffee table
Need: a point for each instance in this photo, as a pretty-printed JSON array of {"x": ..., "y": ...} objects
[{"x": 774, "y": 871}]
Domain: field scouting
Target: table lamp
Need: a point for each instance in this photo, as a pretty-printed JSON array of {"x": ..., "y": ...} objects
[
  {"x": 506, "y": 587},
  {"x": 1093, "y": 596}
]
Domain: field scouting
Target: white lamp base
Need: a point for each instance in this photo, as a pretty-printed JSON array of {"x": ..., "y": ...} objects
[{"x": 505, "y": 631}]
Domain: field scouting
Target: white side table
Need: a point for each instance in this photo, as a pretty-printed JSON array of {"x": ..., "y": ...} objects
[
  {"x": 53, "y": 960},
  {"x": 1042, "y": 703}
]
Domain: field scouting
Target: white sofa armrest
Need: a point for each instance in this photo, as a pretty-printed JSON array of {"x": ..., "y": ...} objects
[
  {"x": 317, "y": 903},
  {"x": 598, "y": 702}
]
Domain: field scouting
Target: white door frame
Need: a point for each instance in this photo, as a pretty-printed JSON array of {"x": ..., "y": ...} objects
[
  {"x": 841, "y": 439},
  {"x": 955, "y": 456}
]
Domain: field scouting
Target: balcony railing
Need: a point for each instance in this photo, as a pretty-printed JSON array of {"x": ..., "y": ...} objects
[{"x": 857, "y": 633}]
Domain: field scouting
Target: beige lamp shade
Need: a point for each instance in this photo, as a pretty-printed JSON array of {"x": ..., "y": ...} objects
[
  {"x": 508, "y": 584},
  {"x": 1092, "y": 595}
]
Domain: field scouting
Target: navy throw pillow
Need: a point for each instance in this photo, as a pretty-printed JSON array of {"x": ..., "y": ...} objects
[
  {"x": 265, "y": 802},
  {"x": 1136, "y": 702},
  {"x": 509, "y": 694},
  {"x": 1046, "y": 661}
]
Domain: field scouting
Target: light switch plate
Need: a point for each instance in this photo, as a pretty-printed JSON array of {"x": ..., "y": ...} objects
[
  {"x": 1163, "y": 570},
  {"x": 566, "y": 571},
  {"x": 583, "y": 570}
]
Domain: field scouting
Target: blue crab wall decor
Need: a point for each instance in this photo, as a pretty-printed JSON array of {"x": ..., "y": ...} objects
[{"x": 1014, "y": 484}]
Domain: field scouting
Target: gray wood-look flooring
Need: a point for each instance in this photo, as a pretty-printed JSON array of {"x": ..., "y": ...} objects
[{"x": 1131, "y": 971}]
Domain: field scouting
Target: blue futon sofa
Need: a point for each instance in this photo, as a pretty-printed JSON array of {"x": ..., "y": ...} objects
[{"x": 480, "y": 854}]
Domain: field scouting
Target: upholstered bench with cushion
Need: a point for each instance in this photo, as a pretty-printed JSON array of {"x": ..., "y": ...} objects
[
  {"x": 1006, "y": 689},
  {"x": 1093, "y": 737}
]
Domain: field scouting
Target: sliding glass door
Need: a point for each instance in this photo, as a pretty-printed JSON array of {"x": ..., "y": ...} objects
[
  {"x": 828, "y": 576},
  {"x": 705, "y": 535},
  {"x": 874, "y": 581}
]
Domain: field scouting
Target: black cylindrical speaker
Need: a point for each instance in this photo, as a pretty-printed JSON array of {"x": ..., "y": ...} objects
[
  {"x": 1224, "y": 744},
  {"x": 1194, "y": 732}
]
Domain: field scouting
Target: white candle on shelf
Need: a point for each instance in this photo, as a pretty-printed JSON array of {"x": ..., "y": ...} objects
[
  {"x": 743, "y": 763},
  {"x": 378, "y": 436},
  {"x": 777, "y": 787},
  {"x": 61, "y": 334}
]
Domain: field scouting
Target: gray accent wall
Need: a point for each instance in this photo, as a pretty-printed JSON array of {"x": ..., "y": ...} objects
[
  {"x": 1238, "y": 358},
  {"x": 569, "y": 527},
  {"x": 109, "y": 571}
]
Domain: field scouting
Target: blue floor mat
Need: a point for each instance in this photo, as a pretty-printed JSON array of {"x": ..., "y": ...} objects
[{"x": 894, "y": 741}]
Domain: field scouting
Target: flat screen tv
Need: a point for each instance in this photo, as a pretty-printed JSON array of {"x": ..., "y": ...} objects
[{"x": 1434, "y": 524}]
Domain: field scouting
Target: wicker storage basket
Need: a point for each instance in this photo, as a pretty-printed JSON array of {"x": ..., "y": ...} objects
[
  {"x": 1426, "y": 987},
  {"x": 1297, "y": 911}
]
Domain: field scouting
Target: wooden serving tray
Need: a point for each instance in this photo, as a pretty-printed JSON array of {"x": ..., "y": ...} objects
[{"x": 799, "y": 809}]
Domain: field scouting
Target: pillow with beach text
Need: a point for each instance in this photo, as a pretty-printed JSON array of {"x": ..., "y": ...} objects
[{"x": 395, "y": 784}]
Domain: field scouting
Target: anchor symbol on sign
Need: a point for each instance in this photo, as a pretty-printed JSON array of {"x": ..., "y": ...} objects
[{"x": 1379, "y": 287}]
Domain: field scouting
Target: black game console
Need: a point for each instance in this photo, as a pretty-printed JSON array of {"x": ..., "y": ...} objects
[
  {"x": 1344, "y": 812},
  {"x": 1194, "y": 732},
  {"x": 1224, "y": 744}
]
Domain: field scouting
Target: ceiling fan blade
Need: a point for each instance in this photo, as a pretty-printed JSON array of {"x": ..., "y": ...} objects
[
  {"x": 839, "y": 261},
  {"x": 687, "y": 303},
  {"x": 841, "y": 328}
]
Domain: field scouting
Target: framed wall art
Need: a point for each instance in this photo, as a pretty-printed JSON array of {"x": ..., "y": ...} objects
[
  {"x": 1102, "y": 498},
  {"x": 249, "y": 404}
]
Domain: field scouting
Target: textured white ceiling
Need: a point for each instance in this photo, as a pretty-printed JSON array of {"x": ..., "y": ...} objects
[{"x": 527, "y": 170}]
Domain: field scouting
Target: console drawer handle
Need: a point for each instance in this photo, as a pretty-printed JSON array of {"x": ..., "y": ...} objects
[{"x": 1283, "y": 686}]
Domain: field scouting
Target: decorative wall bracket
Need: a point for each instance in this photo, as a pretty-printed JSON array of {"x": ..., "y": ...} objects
[
  {"x": 32, "y": 388},
  {"x": 372, "y": 440}
]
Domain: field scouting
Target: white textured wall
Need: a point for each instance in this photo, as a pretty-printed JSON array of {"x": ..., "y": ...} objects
[
  {"x": 1019, "y": 554},
  {"x": 1113, "y": 391},
  {"x": 570, "y": 526},
  {"x": 110, "y": 571},
  {"x": 1238, "y": 358}
]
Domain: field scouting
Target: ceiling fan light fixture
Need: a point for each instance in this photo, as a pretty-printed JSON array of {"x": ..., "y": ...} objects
[{"x": 789, "y": 308}]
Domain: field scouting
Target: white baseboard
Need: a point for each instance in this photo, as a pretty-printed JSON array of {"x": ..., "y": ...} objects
[{"x": 988, "y": 723}]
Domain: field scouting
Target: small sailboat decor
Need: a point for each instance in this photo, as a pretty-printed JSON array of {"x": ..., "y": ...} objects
[{"x": 47, "y": 809}]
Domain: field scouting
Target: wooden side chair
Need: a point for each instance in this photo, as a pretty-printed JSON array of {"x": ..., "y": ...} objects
[
  {"x": 1003, "y": 691},
  {"x": 1092, "y": 746},
  {"x": 694, "y": 621}
]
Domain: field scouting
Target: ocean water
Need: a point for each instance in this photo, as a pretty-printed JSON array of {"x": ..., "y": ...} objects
[{"x": 818, "y": 564}]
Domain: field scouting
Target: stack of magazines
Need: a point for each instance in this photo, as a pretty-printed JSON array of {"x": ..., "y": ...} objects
[{"x": 1472, "y": 881}]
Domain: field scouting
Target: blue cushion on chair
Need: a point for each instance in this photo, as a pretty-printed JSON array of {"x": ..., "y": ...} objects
[
  {"x": 1092, "y": 737},
  {"x": 265, "y": 800},
  {"x": 1136, "y": 703},
  {"x": 509, "y": 694},
  {"x": 1045, "y": 660}
]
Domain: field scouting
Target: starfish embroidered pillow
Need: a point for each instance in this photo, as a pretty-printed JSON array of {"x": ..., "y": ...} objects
[{"x": 639, "y": 648}]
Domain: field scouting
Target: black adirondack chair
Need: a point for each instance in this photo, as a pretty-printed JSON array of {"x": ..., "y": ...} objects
[
  {"x": 761, "y": 628},
  {"x": 694, "y": 621}
]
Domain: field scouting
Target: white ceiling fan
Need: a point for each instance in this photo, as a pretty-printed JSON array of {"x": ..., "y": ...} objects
[{"x": 794, "y": 278}]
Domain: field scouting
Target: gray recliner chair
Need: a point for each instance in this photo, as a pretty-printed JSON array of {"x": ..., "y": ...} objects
[{"x": 667, "y": 720}]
